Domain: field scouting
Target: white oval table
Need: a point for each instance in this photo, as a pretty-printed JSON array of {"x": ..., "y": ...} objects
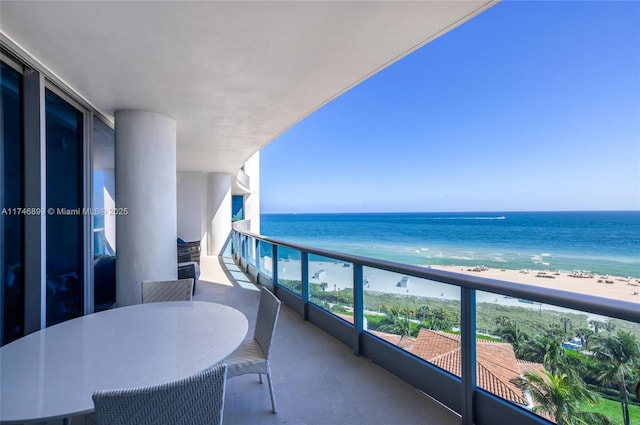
[{"x": 52, "y": 373}]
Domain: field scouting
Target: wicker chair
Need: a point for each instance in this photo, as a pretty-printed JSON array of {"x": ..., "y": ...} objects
[
  {"x": 253, "y": 354},
  {"x": 167, "y": 290},
  {"x": 195, "y": 400}
]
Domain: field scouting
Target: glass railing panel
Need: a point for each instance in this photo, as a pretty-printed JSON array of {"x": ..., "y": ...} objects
[
  {"x": 420, "y": 316},
  {"x": 331, "y": 285},
  {"x": 562, "y": 364},
  {"x": 290, "y": 269},
  {"x": 251, "y": 251},
  {"x": 266, "y": 259}
]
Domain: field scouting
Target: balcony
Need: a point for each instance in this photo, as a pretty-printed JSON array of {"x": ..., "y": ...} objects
[
  {"x": 242, "y": 183},
  {"x": 317, "y": 379},
  {"x": 458, "y": 360}
]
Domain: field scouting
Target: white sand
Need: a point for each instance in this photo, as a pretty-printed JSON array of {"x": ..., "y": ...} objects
[
  {"x": 339, "y": 276},
  {"x": 615, "y": 287}
]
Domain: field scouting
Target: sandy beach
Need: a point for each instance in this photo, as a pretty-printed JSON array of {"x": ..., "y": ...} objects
[
  {"x": 616, "y": 287},
  {"x": 338, "y": 275}
]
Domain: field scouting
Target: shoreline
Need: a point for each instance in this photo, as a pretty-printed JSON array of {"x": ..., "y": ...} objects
[{"x": 339, "y": 275}]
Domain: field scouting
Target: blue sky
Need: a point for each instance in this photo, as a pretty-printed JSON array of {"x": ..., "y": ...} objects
[{"x": 530, "y": 106}]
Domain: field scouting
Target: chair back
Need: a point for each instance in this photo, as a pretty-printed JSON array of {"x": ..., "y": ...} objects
[
  {"x": 167, "y": 290},
  {"x": 195, "y": 400},
  {"x": 268, "y": 311}
]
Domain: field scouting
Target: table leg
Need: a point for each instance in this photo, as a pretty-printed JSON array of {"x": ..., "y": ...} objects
[{"x": 66, "y": 421}]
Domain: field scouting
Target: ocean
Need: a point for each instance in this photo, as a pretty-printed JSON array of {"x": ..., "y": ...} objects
[{"x": 603, "y": 242}]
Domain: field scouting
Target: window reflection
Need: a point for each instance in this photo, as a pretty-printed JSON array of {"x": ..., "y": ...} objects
[
  {"x": 64, "y": 283},
  {"x": 104, "y": 225},
  {"x": 11, "y": 222}
]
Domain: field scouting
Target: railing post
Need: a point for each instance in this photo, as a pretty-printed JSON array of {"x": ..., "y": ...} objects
[
  {"x": 234, "y": 243},
  {"x": 247, "y": 251},
  {"x": 468, "y": 349},
  {"x": 304, "y": 263},
  {"x": 274, "y": 266},
  {"x": 358, "y": 308},
  {"x": 257, "y": 259}
]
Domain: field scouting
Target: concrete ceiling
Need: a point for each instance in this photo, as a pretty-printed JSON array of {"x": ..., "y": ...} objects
[{"x": 234, "y": 75}]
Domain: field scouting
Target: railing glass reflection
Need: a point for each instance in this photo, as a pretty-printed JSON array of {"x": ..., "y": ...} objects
[
  {"x": 290, "y": 270},
  {"x": 563, "y": 364},
  {"x": 488, "y": 339},
  {"x": 266, "y": 259},
  {"x": 331, "y": 285},
  {"x": 419, "y": 316}
]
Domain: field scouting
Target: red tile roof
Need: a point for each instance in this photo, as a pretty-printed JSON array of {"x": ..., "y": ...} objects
[
  {"x": 496, "y": 362},
  {"x": 496, "y": 365}
]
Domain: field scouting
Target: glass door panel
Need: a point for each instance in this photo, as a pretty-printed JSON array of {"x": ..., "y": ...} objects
[
  {"x": 104, "y": 224},
  {"x": 64, "y": 279},
  {"x": 11, "y": 201}
]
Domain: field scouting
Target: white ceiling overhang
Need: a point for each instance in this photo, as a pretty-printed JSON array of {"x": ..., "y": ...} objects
[{"x": 234, "y": 75}]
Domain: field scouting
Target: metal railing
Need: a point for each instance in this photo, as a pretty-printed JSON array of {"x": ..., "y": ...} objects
[{"x": 461, "y": 394}]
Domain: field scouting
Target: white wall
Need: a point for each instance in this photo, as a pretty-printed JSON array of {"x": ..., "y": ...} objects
[
  {"x": 252, "y": 200},
  {"x": 218, "y": 212},
  {"x": 204, "y": 206},
  {"x": 192, "y": 205}
]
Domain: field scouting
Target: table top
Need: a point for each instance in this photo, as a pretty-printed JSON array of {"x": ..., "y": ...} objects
[{"x": 52, "y": 373}]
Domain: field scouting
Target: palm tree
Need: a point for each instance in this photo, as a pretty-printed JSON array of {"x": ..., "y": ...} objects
[
  {"x": 394, "y": 323},
  {"x": 618, "y": 353},
  {"x": 440, "y": 319},
  {"x": 511, "y": 333},
  {"x": 546, "y": 349},
  {"x": 585, "y": 334},
  {"x": 566, "y": 322},
  {"x": 560, "y": 397}
]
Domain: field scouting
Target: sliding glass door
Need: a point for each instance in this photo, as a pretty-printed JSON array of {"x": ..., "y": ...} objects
[
  {"x": 11, "y": 204},
  {"x": 65, "y": 209}
]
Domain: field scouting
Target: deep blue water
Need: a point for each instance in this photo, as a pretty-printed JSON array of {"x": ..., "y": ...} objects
[{"x": 600, "y": 242}]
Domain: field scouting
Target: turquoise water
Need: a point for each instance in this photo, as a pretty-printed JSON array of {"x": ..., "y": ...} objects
[{"x": 600, "y": 242}]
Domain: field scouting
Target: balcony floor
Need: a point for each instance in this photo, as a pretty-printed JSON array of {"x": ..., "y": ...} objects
[{"x": 317, "y": 379}]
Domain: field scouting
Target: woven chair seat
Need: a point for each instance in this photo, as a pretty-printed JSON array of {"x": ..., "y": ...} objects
[{"x": 248, "y": 358}]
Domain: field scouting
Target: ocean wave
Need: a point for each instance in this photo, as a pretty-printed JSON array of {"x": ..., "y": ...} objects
[
  {"x": 462, "y": 257},
  {"x": 499, "y": 217}
]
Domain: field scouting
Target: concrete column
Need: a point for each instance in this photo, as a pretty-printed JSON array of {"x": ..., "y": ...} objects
[
  {"x": 218, "y": 212},
  {"x": 146, "y": 186}
]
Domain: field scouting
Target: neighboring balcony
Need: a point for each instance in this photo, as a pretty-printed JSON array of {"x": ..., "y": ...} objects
[{"x": 242, "y": 183}]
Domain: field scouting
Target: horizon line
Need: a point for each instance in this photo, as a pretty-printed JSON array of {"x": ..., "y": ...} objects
[{"x": 451, "y": 212}]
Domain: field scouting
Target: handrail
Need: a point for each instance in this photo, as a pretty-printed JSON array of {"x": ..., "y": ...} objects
[
  {"x": 471, "y": 409},
  {"x": 624, "y": 310}
]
